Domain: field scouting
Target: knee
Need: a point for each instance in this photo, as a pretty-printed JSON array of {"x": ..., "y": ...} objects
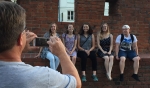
[
  {"x": 122, "y": 59},
  {"x": 106, "y": 58},
  {"x": 111, "y": 57},
  {"x": 136, "y": 59}
]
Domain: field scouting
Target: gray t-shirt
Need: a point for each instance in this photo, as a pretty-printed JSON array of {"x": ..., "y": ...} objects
[{"x": 21, "y": 75}]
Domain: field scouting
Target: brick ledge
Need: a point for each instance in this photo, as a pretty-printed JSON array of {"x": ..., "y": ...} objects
[{"x": 32, "y": 55}]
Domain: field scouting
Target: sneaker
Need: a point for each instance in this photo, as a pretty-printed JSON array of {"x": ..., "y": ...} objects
[
  {"x": 83, "y": 78},
  {"x": 136, "y": 77},
  {"x": 121, "y": 77},
  {"x": 94, "y": 77}
]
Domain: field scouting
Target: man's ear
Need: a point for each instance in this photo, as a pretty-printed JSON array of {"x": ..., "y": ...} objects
[{"x": 20, "y": 40}]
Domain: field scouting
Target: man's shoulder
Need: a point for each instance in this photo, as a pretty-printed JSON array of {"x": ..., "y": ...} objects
[{"x": 119, "y": 35}]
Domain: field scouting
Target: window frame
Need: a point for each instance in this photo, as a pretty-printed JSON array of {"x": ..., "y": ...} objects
[{"x": 70, "y": 15}]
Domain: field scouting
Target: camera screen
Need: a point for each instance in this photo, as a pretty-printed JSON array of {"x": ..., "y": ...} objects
[{"x": 41, "y": 42}]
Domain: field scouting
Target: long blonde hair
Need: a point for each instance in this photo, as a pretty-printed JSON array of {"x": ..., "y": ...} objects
[{"x": 101, "y": 33}]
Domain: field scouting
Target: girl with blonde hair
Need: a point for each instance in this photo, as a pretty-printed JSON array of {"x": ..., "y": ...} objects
[{"x": 105, "y": 46}]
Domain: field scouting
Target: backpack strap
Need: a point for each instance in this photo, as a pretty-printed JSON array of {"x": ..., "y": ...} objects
[
  {"x": 65, "y": 36},
  {"x": 122, "y": 37},
  {"x": 132, "y": 38}
]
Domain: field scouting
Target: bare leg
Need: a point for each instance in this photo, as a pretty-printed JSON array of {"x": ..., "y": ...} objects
[
  {"x": 110, "y": 66},
  {"x": 83, "y": 73},
  {"x": 106, "y": 63},
  {"x": 136, "y": 64},
  {"x": 74, "y": 60},
  {"x": 94, "y": 72},
  {"x": 122, "y": 64}
]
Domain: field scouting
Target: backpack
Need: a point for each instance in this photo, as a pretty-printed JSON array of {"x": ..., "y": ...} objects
[
  {"x": 122, "y": 37},
  {"x": 132, "y": 38}
]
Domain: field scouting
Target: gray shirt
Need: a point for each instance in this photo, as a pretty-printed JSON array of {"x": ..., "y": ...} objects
[
  {"x": 21, "y": 75},
  {"x": 88, "y": 44}
]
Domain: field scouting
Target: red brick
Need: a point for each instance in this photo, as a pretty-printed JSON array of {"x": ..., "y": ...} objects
[{"x": 135, "y": 13}]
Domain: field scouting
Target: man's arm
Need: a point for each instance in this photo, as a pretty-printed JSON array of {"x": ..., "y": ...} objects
[
  {"x": 57, "y": 48},
  {"x": 135, "y": 47},
  {"x": 117, "y": 50}
]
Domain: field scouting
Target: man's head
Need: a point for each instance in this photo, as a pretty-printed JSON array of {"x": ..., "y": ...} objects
[
  {"x": 12, "y": 24},
  {"x": 126, "y": 29}
]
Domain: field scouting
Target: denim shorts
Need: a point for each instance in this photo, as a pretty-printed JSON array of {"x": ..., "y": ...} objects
[{"x": 128, "y": 54}]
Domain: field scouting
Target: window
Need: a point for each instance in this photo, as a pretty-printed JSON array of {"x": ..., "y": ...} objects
[
  {"x": 106, "y": 9},
  {"x": 66, "y": 11},
  {"x": 111, "y": 8},
  {"x": 70, "y": 15},
  {"x": 15, "y": 1}
]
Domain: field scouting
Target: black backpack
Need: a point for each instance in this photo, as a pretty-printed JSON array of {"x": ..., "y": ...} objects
[
  {"x": 122, "y": 37},
  {"x": 132, "y": 38}
]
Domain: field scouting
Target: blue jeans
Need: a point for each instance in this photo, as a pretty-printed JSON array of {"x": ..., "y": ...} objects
[{"x": 54, "y": 60}]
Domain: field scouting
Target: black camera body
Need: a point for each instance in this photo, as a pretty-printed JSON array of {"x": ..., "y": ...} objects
[{"x": 40, "y": 41}]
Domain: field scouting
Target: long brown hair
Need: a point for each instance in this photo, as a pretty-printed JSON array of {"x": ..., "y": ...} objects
[
  {"x": 90, "y": 31},
  {"x": 50, "y": 32}
]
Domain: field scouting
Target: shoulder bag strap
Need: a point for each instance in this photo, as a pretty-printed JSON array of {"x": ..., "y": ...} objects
[{"x": 85, "y": 40}]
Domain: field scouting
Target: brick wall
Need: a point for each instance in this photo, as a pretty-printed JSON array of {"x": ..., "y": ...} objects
[
  {"x": 132, "y": 12},
  {"x": 136, "y": 13},
  {"x": 103, "y": 82}
]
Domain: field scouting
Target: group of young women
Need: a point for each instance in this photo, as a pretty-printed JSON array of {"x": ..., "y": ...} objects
[{"x": 83, "y": 46}]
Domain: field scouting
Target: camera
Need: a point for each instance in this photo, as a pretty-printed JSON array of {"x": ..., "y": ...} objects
[{"x": 40, "y": 41}]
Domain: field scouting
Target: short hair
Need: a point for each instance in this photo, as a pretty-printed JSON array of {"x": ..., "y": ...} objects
[
  {"x": 12, "y": 23},
  {"x": 125, "y": 27},
  {"x": 90, "y": 31}
]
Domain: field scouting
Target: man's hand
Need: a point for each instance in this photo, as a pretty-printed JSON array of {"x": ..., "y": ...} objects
[
  {"x": 56, "y": 46},
  {"x": 29, "y": 37}
]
